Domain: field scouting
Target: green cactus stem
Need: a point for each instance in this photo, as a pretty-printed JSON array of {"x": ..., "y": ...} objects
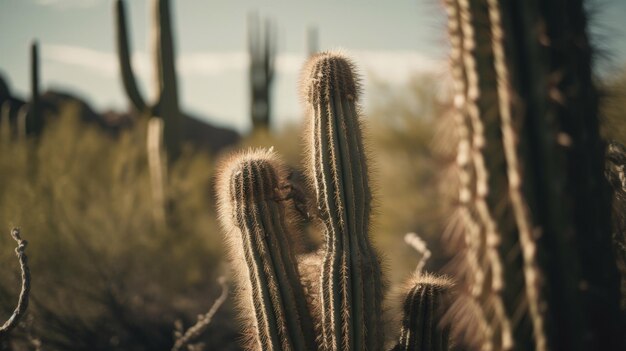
[
  {"x": 166, "y": 105},
  {"x": 351, "y": 283},
  {"x": 254, "y": 213},
  {"x": 262, "y": 53},
  {"x": 125, "y": 61},
  {"x": 35, "y": 117},
  {"x": 423, "y": 308}
]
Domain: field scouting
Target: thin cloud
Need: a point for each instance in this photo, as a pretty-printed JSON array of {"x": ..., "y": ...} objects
[
  {"x": 100, "y": 62},
  {"x": 68, "y": 3},
  {"x": 392, "y": 66}
]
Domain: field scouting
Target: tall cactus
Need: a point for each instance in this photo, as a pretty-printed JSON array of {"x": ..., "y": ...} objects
[
  {"x": 533, "y": 201},
  {"x": 351, "y": 291},
  {"x": 253, "y": 214},
  {"x": 262, "y": 54},
  {"x": 166, "y": 105}
]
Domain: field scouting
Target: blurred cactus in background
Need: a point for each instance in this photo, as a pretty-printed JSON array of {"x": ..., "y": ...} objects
[
  {"x": 166, "y": 105},
  {"x": 533, "y": 207},
  {"x": 34, "y": 117},
  {"x": 262, "y": 54},
  {"x": 312, "y": 41}
]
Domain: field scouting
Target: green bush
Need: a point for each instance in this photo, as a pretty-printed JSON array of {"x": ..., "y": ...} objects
[{"x": 106, "y": 275}]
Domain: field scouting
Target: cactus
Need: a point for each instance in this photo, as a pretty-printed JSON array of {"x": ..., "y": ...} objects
[
  {"x": 423, "y": 308},
  {"x": 534, "y": 206},
  {"x": 262, "y": 53},
  {"x": 340, "y": 286},
  {"x": 253, "y": 213},
  {"x": 34, "y": 120},
  {"x": 351, "y": 292},
  {"x": 166, "y": 105}
]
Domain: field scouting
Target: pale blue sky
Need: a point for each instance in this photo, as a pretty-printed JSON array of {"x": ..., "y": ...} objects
[{"x": 390, "y": 40}]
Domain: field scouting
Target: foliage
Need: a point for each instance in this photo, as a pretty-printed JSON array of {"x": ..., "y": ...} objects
[
  {"x": 106, "y": 276},
  {"x": 612, "y": 109}
]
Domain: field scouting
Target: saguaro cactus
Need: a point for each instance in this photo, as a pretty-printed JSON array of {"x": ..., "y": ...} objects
[
  {"x": 533, "y": 202},
  {"x": 342, "y": 284},
  {"x": 253, "y": 213},
  {"x": 351, "y": 291},
  {"x": 262, "y": 53},
  {"x": 166, "y": 105}
]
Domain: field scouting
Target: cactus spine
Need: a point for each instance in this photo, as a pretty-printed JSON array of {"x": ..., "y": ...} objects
[
  {"x": 423, "y": 308},
  {"x": 166, "y": 105},
  {"x": 351, "y": 288},
  {"x": 253, "y": 213},
  {"x": 530, "y": 159},
  {"x": 262, "y": 53}
]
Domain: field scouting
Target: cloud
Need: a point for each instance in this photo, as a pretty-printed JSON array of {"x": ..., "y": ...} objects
[
  {"x": 99, "y": 62},
  {"x": 211, "y": 63},
  {"x": 68, "y": 3},
  {"x": 392, "y": 66}
]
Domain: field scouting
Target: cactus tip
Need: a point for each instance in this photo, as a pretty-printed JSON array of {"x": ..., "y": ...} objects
[{"x": 329, "y": 71}]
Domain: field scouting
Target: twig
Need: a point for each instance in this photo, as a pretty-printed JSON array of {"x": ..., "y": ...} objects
[
  {"x": 414, "y": 241},
  {"x": 22, "y": 303},
  {"x": 203, "y": 320}
]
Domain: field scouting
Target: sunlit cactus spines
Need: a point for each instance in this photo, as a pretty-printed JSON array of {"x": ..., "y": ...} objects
[
  {"x": 253, "y": 211},
  {"x": 425, "y": 298},
  {"x": 351, "y": 282}
]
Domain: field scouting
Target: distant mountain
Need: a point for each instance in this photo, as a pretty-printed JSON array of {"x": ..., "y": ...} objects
[{"x": 201, "y": 134}]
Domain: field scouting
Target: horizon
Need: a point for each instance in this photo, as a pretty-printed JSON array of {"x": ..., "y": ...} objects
[{"x": 390, "y": 45}]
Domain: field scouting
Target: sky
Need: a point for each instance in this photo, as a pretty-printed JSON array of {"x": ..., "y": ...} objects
[{"x": 390, "y": 41}]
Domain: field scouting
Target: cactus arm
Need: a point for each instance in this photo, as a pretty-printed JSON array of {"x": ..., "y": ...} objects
[
  {"x": 254, "y": 213},
  {"x": 167, "y": 98},
  {"x": 350, "y": 277},
  {"x": 164, "y": 53},
  {"x": 35, "y": 120},
  {"x": 422, "y": 329},
  {"x": 269, "y": 54},
  {"x": 262, "y": 54},
  {"x": 124, "y": 59}
]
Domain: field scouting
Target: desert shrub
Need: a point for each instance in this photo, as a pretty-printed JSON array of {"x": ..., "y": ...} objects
[
  {"x": 612, "y": 107},
  {"x": 106, "y": 274}
]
